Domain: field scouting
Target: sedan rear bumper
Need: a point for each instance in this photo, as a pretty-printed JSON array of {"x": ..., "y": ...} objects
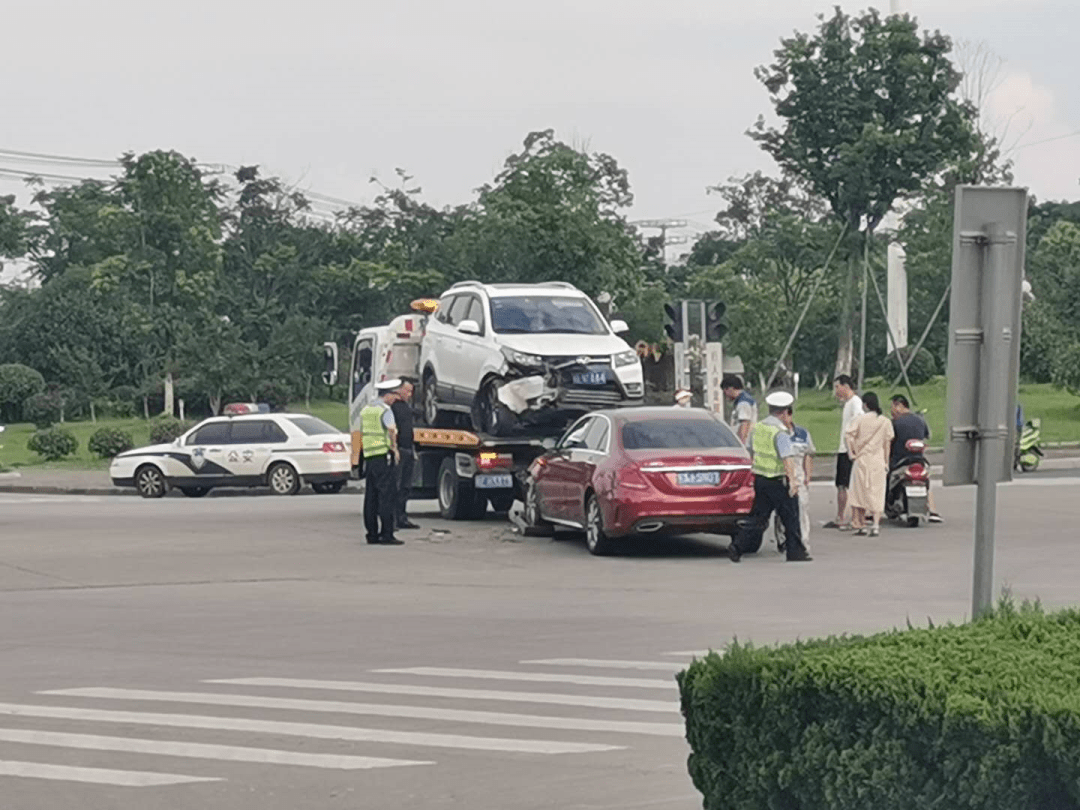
[{"x": 687, "y": 524}]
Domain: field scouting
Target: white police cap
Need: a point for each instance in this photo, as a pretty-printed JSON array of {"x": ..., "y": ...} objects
[
  {"x": 388, "y": 385},
  {"x": 779, "y": 399}
]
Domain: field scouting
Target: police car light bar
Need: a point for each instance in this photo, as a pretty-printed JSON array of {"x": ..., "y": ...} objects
[{"x": 240, "y": 408}]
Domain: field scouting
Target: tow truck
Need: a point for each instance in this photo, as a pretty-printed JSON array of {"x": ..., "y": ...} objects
[{"x": 461, "y": 468}]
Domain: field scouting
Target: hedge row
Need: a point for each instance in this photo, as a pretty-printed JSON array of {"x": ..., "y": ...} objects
[{"x": 984, "y": 715}]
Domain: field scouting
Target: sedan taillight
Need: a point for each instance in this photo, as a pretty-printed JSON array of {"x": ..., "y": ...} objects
[
  {"x": 333, "y": 447},
  {"x": 631, "y": 478}
]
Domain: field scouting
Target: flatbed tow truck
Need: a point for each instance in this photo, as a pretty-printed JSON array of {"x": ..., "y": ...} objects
[{"x": 464, "y": 470}]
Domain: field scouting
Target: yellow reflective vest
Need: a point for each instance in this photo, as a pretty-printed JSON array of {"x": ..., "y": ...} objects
[
  {"x": 376, "y": 437},
  {"x": 767, "y": 462}
]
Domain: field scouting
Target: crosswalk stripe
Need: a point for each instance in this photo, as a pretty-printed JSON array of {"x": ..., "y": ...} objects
[
  {"x": 227, "y": 753},
  {"x": 98, "y": 776},
  {"x": 548, "y": 677},
  {"x": 662, "y": 666},
  {"x": 552, "y": 698},
  {"x": 383, "y": 710},
  {"x": 322, "y": 732}
]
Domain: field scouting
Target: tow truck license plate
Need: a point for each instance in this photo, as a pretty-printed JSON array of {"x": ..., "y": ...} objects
[
  {"x": 590, "y": 378},
  {"x": 494, "y": 481},
  {"x": 699, "y": 479}
]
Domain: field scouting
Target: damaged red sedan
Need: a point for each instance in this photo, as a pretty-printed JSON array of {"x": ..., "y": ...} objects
[{"x": 642, "y": 471}]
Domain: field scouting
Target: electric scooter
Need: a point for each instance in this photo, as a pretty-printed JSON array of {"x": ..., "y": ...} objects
[{"x": 908, "y": 489}]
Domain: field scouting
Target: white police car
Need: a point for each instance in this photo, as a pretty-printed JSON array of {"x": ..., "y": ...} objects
[{"x": 248, "y": 447}]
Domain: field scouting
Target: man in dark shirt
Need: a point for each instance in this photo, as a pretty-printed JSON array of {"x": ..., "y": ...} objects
[
  {"x": 909, "y": 425},
  {"x": 403, "y": 416}
]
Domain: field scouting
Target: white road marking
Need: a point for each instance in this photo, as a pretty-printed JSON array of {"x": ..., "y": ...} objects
[
  {"x": 381, "y": 710},
  {"x": 662, "y": 666},
  {"x": 631, "y": 704},
  {"x": 695, "y": 653},
  {"x": 98, "y": 776},
  {"x": 20, "y": 500},
  {"x": 225, "y": 753},
  {"x": 312, "y": 730},
  {"x": 548, "y": 677}
]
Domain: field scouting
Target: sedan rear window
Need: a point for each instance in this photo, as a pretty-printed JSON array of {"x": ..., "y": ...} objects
[
  {"x": 312, "y": 425},
  {"x": 677, "y": 434}
]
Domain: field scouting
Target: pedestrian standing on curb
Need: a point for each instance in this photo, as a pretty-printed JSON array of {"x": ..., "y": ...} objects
[
  {"x": 844, "y": 389},
  {"x": 744, "y": 411},
  {"x": 775, "y": 487},
  {"x": 403, "y": 419},
  {"x": 379, "y": 432},
  {"x": 869, "y": 440},
  {"x": 803, "y": 445}
]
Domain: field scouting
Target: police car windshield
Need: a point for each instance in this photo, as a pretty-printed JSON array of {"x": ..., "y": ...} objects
[
  {"x": 313, "y": 426},
  {"x": 677, "y": 434},
  {"x": 535, "y": 314}
]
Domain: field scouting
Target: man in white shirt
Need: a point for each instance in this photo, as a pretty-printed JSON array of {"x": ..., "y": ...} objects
[{"x": 844, "y": 389}]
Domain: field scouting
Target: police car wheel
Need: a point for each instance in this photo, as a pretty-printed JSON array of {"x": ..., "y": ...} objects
[
  {"x": 150, "y": 482},
  {"x": 283, "y": 479},
  {"x": 194, "y": 492}
]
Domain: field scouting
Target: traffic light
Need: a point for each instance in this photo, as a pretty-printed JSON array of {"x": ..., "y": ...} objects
[
  {"x": 715, "y": 328},
  {"x": 675, "y": 328}
]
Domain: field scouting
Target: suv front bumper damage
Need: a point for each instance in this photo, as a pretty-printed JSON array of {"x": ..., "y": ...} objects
[{"x": 559, "y": 388}]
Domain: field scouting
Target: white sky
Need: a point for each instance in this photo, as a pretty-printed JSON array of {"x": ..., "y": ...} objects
[{"x": 325, "y": 92}]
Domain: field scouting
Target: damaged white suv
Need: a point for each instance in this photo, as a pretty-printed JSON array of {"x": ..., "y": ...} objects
[{"x": 506, "y": 355}]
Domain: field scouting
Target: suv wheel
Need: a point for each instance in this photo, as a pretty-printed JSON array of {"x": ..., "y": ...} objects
[
  {"x": 433, "y": 417},
  {"x": 488, "y": 414}
]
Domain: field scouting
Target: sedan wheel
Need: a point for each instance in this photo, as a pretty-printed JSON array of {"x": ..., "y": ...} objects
[
  {"x": 596, "y": 541},
  {"x": 150, "y": 482},
  {"x": 283, "y": 479},
  {"x": 194, "y": 492},
  {"x": 328, "y": 487}
]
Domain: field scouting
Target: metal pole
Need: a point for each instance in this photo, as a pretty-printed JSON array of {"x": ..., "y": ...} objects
[
  {"x": 905, "y": 362},
  {"x": 862, "y": 333},
  {"x": 682, "y": 379},
  {"x": 993, "y": 419}
]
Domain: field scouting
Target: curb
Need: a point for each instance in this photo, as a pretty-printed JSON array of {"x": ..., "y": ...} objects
[{"x": 222, "y": 492}]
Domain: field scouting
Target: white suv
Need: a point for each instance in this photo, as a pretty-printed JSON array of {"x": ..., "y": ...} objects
[{"x": 511, "y": 353}]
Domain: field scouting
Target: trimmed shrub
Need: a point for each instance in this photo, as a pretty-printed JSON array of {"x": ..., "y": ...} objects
[
  {"x": 984, "y": 715},
  {"x": 53, "y": 443},
  {"x": 922, "y": 368},
  {"x": 17, "y": 384},
  {"x": 273, "y": 394},
  {"x": 44, "y": 409},
  {"x": 107, "y": 442},
  {"x": 166, "y": 429}
]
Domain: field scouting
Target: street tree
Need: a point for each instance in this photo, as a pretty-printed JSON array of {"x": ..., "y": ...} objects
[{"x": 868, "y": 110}]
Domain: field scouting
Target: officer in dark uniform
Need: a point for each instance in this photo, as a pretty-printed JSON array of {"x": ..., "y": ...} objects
[
  {"x": 380, "y": 449},
  {"x": 403, "y": 417}
]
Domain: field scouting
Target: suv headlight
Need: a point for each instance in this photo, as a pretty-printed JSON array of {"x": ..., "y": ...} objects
[
  {"x": 627, "y": 358},
  {"x": 517, "y": 358}
]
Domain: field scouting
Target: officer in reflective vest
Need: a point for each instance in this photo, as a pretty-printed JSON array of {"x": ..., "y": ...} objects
[
  {"x": 380, "y": 453},
  {"x": 775, "y": 482}
]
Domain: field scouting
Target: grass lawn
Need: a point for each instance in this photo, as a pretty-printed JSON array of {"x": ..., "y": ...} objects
[
  {"x": 819, "y": 411},
  {"x": 14, "y": 453}
]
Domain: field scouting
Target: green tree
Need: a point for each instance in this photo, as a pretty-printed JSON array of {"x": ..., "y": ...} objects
[
  {"x": 869, "y": 111},
  {"x": 17, "y": 384},
  {"x": 1054, "y": 272}
]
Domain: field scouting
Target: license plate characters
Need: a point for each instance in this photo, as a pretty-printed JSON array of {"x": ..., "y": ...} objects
[
  {"x": 494, "y": 481},
  {"x": 699, "y": 479},
  {"x": 590, "y": 378}
]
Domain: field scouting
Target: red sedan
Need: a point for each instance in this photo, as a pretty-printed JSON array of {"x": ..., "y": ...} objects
[{"x": 642, "y": 471}]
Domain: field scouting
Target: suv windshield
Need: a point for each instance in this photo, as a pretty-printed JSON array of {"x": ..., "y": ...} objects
[
  {"x": 534, "y": 314},
  {"x": 677, "y": 434},
  {"x": 313, "y": 426}
]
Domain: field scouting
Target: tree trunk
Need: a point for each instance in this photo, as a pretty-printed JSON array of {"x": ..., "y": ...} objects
[
  {"x": 146, "y": 406},
  {"x": 845, "y": 348},
  {"x": 93, "y": 413},
  {"x": 307, "y": 393},
  {"x": 170, "y": 404},
  {"x": 215, "y": 403}
]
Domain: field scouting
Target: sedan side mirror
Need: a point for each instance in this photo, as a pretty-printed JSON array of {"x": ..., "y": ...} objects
[
  {"x": 619, "y": 326},
  {"x": 469, "y": 327}
]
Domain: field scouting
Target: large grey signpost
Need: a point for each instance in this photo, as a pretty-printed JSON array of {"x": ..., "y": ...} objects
[{"x": 989, "y": 229}]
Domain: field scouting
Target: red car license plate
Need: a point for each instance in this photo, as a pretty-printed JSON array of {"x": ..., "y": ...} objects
[{"x": 709, "y": 478}]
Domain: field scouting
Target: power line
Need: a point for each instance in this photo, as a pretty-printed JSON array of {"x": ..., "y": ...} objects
[
  {"x": 58, "y": 158},
  {"x": 1048, "y": 140}
]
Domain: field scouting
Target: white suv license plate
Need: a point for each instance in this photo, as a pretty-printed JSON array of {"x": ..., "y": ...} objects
[
  {"x": 590, "y": 378},
  {"x": 699, "y": 479},
  {"x": 915, "y": 492},
  {"x": 494, "y": 481}
]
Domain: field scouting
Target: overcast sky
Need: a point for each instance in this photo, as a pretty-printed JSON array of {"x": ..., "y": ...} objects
[{"x": 326, "y": 92}]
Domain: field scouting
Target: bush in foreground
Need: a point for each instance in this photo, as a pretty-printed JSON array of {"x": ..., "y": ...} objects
[
  {"x": 53, "y": 443},
  {"x": 107, "y": 442},
  {"x": 984, "y": 715}
]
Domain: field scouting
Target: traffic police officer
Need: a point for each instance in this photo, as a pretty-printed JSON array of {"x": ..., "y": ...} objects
[
  {"x": 380, "y": 452},
  {"x": 775, "y": 482}
]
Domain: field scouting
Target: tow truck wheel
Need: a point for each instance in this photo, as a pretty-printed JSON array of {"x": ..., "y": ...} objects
[{"x": 458, "y": 499}]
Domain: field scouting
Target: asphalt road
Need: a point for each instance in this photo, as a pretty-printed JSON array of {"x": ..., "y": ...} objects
[{"x": 252, "y": 653}]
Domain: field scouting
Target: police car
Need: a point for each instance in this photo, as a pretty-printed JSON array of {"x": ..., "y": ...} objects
[{"x": 247, "y": 447}]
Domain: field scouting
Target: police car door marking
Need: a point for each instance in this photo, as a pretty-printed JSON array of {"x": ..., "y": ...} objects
[
  {"x": 198, "y": 459},
  {"x": 248, "y": 456},
  {"x": 233, "y": 456}
]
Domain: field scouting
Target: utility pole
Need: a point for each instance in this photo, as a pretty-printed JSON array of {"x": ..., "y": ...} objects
[{"x": 664, "y": 225}]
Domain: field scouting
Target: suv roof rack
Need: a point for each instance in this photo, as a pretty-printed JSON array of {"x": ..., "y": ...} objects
[
  {"x": 457, "y": 284},
  {"x": 562, "y": 285}
]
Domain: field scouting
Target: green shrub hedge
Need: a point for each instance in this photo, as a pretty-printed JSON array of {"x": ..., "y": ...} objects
[
  {"x": 167, "y": 428},
  {"x": 984, "y": 715},
  {"x": 108, "y": 442},
  {"x": 53, "y": 443}
]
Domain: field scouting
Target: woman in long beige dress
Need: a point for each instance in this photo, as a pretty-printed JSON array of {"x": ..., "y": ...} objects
[{"x": 869, "y": 438}]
